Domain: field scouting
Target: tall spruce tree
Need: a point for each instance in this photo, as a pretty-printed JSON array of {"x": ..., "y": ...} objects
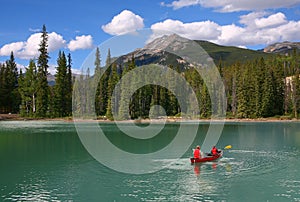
[
  {"x": 113, "y": 102},
  {"x": 125, "y": 104},
  {"x": 60, "y": 89},
  {"x": 11, "y": 85},
  {"x": 69, "y": 86},
  {"x": 28, "y": 90},
  {"x": 42, "y": 101},
  {"x": 296, "y": 94},
  {"x": 2, "y": 87}
]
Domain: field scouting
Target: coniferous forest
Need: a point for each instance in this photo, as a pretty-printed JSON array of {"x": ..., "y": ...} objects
[
  {"x": 264, "y": 87},
  {"x": 29, "y": 94}
]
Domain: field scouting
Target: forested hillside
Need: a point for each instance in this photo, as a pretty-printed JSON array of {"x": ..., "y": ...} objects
[{"x": 255, "y": 87}]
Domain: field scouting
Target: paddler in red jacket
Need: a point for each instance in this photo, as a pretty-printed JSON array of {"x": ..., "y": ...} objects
[
  {"x": 197, "y": 152},
  {"x": 214, "y": 151}
]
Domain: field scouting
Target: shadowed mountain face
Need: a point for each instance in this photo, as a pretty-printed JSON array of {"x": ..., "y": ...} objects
[{"x": 166, "y": 50}]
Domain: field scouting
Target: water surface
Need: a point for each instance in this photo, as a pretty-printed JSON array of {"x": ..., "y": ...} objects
[{"x": 45, "y": 161}]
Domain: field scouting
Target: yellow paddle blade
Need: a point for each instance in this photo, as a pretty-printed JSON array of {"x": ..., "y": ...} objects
[{"x": 228, "y": 147}]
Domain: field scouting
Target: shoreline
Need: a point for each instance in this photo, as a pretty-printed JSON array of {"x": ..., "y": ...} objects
[{"x": 16, "y": 117}]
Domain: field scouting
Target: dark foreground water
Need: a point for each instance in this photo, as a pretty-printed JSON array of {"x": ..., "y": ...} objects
[{"x": 45, "y": 161}]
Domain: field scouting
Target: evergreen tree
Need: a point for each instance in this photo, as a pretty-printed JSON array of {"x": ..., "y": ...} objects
[
  {"x": 268, "y": 95},
  {"x": 108, "y": 59},
  {"x": 113, "y": 101},
  {"x": 69, "y": 86},
  {"x": 260, "y": 77},
  {"x": 126, "y": 104},
  {"x": 28, "y": 89},
  {"x": 296, "y": 94},
  {"x": 12, "y": 98},
  {"x": 99, "y": 91},
  {"x": 42, "y": 100},
  {"x": 173, "y": 103},
  {"x": 279, "y": 86},
  {"x": 205, "y": 111},
  {"x": 60, "y": 88},
  {"x": 234, "y": 91},
  {"x": 2, "y": 87}
]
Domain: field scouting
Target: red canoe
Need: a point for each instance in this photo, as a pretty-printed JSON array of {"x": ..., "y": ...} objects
[{"x": 207, "y": 158}]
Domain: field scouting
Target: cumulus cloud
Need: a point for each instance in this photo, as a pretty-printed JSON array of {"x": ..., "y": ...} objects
[
  {"x": 123, "y": 23},
  {"x": 7, "y": 48},
  {"x": 235, "y": 5},
  {"x": 257, "y": 28},
  {"x": 271, "y": 21},
  {"x": 81, "y": 42},
  {"x": 29, "y": 49},
  {"x": 205, "y": 30}
]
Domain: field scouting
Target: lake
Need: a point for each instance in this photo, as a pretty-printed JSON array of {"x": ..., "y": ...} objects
[{"x": 46, "y": 161}]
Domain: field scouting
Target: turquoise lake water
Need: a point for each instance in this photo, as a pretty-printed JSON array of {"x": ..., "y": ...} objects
[{"x": 46, "y": 161}]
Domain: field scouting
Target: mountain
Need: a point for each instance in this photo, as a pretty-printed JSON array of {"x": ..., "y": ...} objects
[
  {"x": 178, "y": 51},
  {"x": 282, "y": 48}
]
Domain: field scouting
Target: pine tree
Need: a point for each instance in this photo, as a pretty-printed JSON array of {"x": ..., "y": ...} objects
[
  {"x": 260, "y": 77},
  {"x": 108, "y": 59},
  {"x": 99, "y": 90},
  {"x": 234, "y": 90},
  {"x": 113, "y": 101},
  {"x": 126, "y": 103},
  {"x": 69, "y": 86},
  {"x": 11, "y": 84},
  {"x": 205, "y": 101},
  {"x": 268, "y": 95},
  {"x": 60, "y": 88},
  {"x": 2, "y": 87},
  {"x": 28, "y": 89},
  {"x": 42, "y": 101},
  {"x": 296, "y": 94},
  {"x": 173, "y": 103}
]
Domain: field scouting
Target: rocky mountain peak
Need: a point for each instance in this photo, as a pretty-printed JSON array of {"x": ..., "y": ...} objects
[
  {"x": 173, "y": 42},
  {"x": 282, "y": 47}
]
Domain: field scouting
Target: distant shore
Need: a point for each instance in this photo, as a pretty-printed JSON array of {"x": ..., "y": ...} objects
[{"x": 16, "y": 117}]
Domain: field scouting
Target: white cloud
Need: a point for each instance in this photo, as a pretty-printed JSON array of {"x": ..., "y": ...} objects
[
  {"x": 205, "y": 30},
  {"x": 271, "y": 21},
  {"x": 29, "y": 49},
  {"x": 81, "y": 42},
  {"x": 123, "y": 23},
  {"x": 181, "y": 3},
  {"x": 235, "y": 5},
  {"x": 257, "y": 28},
  {"x": 34, "y": 30},
  {"x": 7, "y": 48},
  {"x": 55, "y": 42}
]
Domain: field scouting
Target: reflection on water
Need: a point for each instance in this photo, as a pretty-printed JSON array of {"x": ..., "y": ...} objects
[{"x": 45, "y": 161}]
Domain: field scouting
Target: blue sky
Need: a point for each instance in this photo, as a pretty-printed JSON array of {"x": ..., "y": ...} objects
[{"x": 79, "y": 26}]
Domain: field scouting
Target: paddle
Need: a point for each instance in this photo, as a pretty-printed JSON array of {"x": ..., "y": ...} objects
[{"x": 228, "y": 147}]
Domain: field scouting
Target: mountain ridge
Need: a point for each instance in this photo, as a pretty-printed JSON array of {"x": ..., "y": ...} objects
[
  {"x": 282, "y": 47},
  {"x": 161, "y": 51}
]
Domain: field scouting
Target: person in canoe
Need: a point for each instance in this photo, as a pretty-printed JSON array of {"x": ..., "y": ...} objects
[
  {"x": 197, "y": 152},
  {"x": 214, "y": 151}
]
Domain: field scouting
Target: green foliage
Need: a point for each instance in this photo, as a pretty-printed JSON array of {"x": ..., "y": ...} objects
[
  {"x": 10, "y": 97},
  {"x": 62, "y": 97},
  {"x": 42, "y": 101},
  {"x": 28, "y": 90},
  {"x": 256, "y": 85},
  {"x": 229, "y": 55}
]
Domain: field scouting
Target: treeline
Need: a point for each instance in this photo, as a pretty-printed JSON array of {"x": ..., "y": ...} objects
[
  {"x": 256, "y": 89},
  {"x": 264, "y": 88},
  {"x": 29, "y": 94}
]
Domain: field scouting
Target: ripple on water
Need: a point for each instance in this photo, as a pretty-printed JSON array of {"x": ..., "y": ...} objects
[
  {"x": 252, "y": 163},
  {"x": 290, "y": 189}
]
